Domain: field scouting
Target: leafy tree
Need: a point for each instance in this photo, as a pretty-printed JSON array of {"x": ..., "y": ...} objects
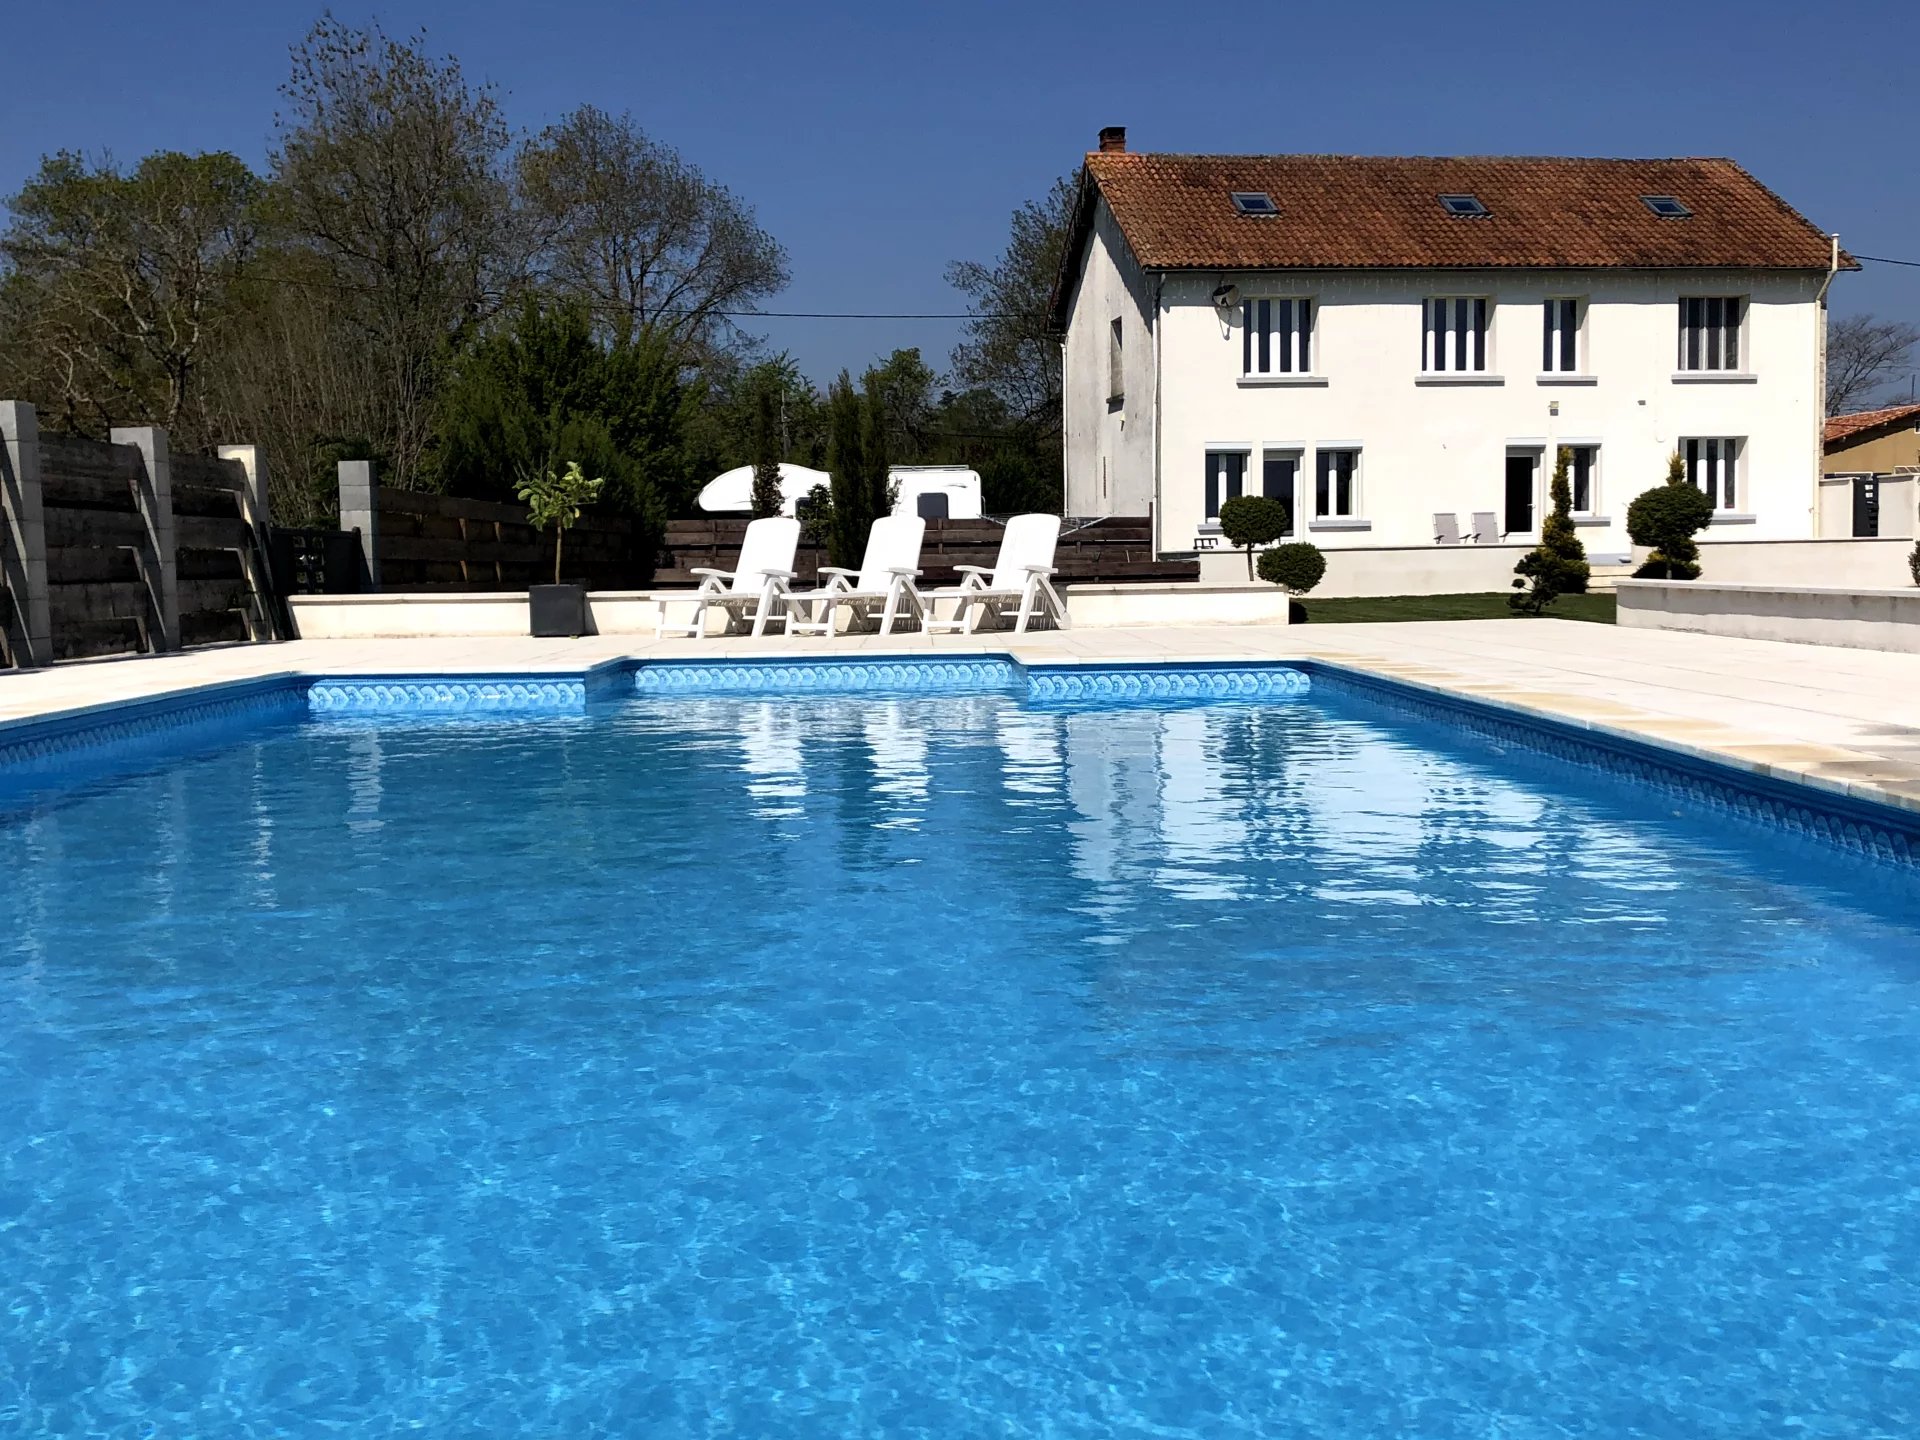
[
  {"x": 815, "y": 510},
  {"x": 1863, "y": 354},
  {"x": 625, "y": 224},
  {"x": 767, "y": 499},
  {"x": 1667, "y": 517},
  {"x": 1295, "y": 568},
  {"x": 1558, "y": 564},
  {"x": 556, "y": 500},
  {"x": 847, "y": 463},
  {"x": 543, "y": 388},
  {"x": 1250, "y": 520},
  {"x": 389, "y": 169},
  {"x": 122, "y": 285}
]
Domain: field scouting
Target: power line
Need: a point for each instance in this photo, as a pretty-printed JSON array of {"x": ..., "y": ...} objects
[{"x": 1883, "y": 260}]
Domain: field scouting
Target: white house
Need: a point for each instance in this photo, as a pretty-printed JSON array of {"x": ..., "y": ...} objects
[{"x": 1387, "y": 343}]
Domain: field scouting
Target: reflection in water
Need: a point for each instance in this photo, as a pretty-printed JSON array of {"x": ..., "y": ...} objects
[
  {"x": 363, "y": 762},
  {"x": 1030, "y": 752},
  {"x": 771, "y": 755},
  {"x": 896, "y": 738}
]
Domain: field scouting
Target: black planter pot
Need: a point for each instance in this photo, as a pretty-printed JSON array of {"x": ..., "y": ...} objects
[{"x": 558, "y": 610}]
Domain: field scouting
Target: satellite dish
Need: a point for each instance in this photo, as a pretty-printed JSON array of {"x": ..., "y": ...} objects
[{"x": 1226, "y": 296}]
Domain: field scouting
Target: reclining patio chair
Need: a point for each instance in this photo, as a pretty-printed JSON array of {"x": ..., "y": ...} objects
[
  {"x": 1486, "y": 528},
  {"x": 883, "y": 583},
  {"x": 1446, "y": 529},
  {"x": 759, "y": 585},
  {"x": 1022, "y": 576}
]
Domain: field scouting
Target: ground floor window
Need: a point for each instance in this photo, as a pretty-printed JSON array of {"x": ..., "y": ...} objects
[
  {"x": 1226, "y": 479},
  {"x": 1713, "y": 464},
  {"x": 1336, "y": 484},
  {"x": 1583, "y": 469}
]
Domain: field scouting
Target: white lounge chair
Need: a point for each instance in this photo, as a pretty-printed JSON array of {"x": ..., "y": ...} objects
[
  {"x": 760, "y": 584},
  {"x": 1021, "y": 576},
  {"x": 1446, "y": 529},
  {"x": 1486, "y": 528},
  {"x": 883, "y": 583}
]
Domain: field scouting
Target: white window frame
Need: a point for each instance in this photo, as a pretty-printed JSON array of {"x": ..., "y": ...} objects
[
  {"x": 1708, "y": 355},
  {"x": 1458, "y": 350},
  {"x": 1725, "y": 458},
  {"x": 1116, "y": 362},
  {"x": 1553, "y": 333},
  {"x": 1592, "y": 507},
  {"x": 1292, "y": 351},
  {"x": 1333, "y": 518},
  {"x": 1214, "y": 492}
]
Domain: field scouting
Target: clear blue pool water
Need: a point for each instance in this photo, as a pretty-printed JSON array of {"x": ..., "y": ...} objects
[{"x": 944, "y": 1067}]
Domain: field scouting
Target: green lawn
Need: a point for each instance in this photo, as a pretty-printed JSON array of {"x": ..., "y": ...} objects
[{"x": 1491, "y": 606}]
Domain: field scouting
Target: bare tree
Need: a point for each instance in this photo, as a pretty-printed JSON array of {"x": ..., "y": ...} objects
[
  {"x": 121, "y": 283},
  {"x": 390, "y": 169},
  {"x": 1863, "y": 355},
  {"x": 1008, "y": 350},
  {"x": 627, "y": 225}
]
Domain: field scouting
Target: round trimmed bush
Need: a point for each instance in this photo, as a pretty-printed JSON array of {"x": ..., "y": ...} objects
[
  {"x": 1666, "y": 518},
  {"x": 1250, "y": 520},
  {"x": 1295, "y": 568}
]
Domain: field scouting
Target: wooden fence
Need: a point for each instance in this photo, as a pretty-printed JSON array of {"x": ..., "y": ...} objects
[{"x": 438, "y": 542}]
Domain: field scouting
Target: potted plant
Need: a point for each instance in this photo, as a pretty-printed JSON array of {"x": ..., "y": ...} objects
[{"x": 556, "y": 609}]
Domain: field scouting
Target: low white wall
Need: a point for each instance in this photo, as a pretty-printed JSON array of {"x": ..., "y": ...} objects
[
  {"x": 1395, "y": 570},
  {"x": 1860, "y": 619},
  {"x": 633, "y": 612},
  {"x": 1469, "y": 569},
  {"x": 1102, "y": 606}
]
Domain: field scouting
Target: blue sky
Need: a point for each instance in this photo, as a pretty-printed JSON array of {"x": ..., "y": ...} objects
[{"x": 880, "y": 141}]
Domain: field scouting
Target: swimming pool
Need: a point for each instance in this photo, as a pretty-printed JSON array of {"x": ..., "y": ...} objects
[{"x": 945, "y": 1064}]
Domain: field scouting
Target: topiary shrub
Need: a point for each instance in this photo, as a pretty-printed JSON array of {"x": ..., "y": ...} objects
[
  {"x": 1667, "y": 518},
  {"x": 1913, "y": 562},
  {"x": 1250, "y": 520},
  {"x": 1558, "y": 564},
  {"x": 1295, "y": 568}
]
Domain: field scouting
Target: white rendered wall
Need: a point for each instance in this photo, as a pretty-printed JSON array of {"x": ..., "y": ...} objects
[
  {"x": 1109, "y": 447},
  {"x": 1429, "y": 447}
]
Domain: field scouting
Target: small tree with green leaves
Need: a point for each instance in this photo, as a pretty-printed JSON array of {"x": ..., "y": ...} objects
[
  {"x": 1250, "y": 520},
  {"x": 556, "y": 500},
  {"x": 1666, "y": 518},
  {"x": 1295, "y": 568},
  {"x": 1558, "y": 564},
  {"x": 767, "y": 498},
  {"x": 1913, "y": 563},
  {"x": 847, "y": 460}
]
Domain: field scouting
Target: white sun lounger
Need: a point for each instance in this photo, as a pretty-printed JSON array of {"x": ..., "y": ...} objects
[
  {"x": 1446, "y": 529},
  {"x": 883, "y": 583},
  {"x": 1486, "y": 527},
  {"x": 760, "y": 585},
  {"x": 1022, "y": 576}
]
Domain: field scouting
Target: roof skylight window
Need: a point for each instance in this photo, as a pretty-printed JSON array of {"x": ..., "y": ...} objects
[
  {"x": 1665, "y": 206},
  {"x": 1465, "y": 207},
  {"x": 1254, "y": 202}
]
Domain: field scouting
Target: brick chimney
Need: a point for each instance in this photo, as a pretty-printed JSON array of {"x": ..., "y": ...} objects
[{"x": 1113, "y": 140}]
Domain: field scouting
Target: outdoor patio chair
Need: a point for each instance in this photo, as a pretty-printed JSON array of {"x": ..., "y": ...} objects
[
  {"x": 1446, "y": 529},
  {"x": 882, "y": 584},
  {"x": 760, "y": 585},
  {"x": 1021, "y": 576},
  {"x": 1486, "y": 527}
]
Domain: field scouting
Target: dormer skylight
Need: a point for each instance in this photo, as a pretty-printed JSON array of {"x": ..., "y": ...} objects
[
  {"x": 1254, "y": 202},
  {"x": 1464, "y": 207},
  {"x": 1666, "y": 207}
]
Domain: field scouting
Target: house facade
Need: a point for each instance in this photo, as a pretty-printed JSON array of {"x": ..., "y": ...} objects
[
  {"x": 1871, "y": 485},
  {"x": 1398, "y": 348}
]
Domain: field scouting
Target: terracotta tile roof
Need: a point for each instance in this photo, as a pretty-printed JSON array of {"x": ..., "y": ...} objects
[
  {"x": 1362, "y": 212},
  {"x": 1842, "y": 428}
]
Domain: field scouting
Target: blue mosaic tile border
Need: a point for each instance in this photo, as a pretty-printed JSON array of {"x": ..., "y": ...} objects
[
  {"x": 1165, "y": 682},
  {"x": 826, "y": 677},
  {"x": 101, "y": 738},
  {"x": 1858, "y": 827},
  {"x": 448, "y": 695}
]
